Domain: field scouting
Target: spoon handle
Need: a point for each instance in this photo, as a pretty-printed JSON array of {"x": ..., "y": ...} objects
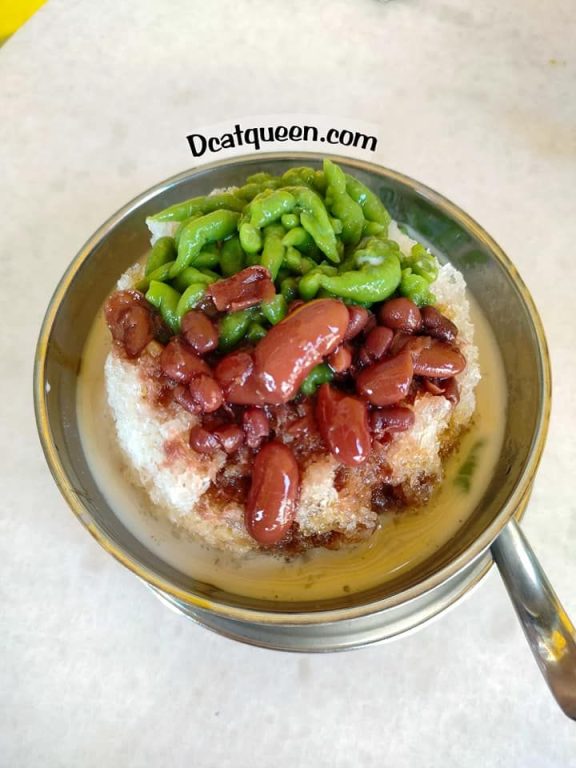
[{"x": 548, "y": 629}]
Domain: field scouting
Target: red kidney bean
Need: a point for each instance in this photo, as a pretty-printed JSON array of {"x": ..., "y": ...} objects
[
  {"x": 358, "y": 318},
  {"x": 235, "y": 374},
  {"x": 393, "y": 419},
  {"x": 289, "y": 351},
  {"x": 256, "y": 426},
  {"x": 438, "y": 361},
  {"x": 203, "y": 441},
  {"x": 378, "y": 342},
  {"x": 233, "y": 368},
  {"x": 199, "y": 331},
  {"x": 399, "y": 342},
  {"x": 271, "y": 505},
  {"x": 302, "y": 427},
  {"x": 182, "y": 396},
  {"x": 206, "y": 393},
  {"x": 341, "y": 359},
  {"x": 180, "y": 363},
  {"x": 244, "y": 289},
  {"x": 388, "y": 382},
  {"x": 371, "y": 324},
  {"x": 247, "y": 393},
  {"x": 129, "y": 318},
  {"x": 117, "y": 303},
  {"x": 452, "y": 391},
  {"x": 361, "y": 360},
  {"x": 405, "y": 341},
  {"x": 431, "y": 386},
  {"x": 447, "y": 387},
  {"x": 138, "y": 330},
  {"x": 230, "y": 437},
  {"x": 437, "y": 325},
  {"x": 401, "y": 315},
  {"x": 343, "y": 423}
]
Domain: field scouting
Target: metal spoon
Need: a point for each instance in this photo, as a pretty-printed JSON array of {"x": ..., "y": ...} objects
[{"x": 549, "y": 631}]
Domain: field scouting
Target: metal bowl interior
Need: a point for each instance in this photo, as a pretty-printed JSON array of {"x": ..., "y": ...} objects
[{"x": 491, "y": 278}]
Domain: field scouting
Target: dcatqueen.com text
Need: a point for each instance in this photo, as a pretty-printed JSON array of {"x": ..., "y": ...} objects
[{"x": 258, "y": 137}]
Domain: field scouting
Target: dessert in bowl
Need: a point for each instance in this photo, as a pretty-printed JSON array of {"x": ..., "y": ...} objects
[{"x": 303, "y": 401}]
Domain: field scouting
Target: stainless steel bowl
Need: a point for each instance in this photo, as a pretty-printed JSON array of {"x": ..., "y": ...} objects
[{"x": 351, "y": 620}]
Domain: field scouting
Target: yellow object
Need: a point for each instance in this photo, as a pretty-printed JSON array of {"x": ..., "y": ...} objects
[{"x": 13, "y": 13}]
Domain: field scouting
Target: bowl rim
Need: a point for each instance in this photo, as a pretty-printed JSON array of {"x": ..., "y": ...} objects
[{"x": 220, "y": 606}]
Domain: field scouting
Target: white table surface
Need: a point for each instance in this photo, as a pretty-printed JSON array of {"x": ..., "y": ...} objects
[{"x": 477, "y": 99}]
